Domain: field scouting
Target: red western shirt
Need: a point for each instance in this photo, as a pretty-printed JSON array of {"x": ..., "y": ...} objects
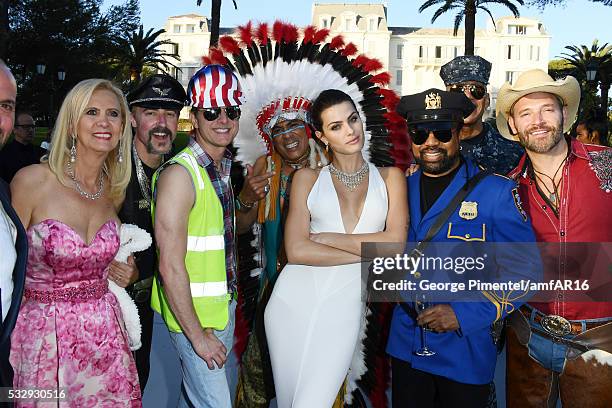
[{"x": 584, "y": 215}]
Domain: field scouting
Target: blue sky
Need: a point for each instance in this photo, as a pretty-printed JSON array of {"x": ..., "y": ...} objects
[{"x": 579, "y": 22}]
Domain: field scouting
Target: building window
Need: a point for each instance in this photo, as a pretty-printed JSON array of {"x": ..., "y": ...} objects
[
  {"x": 438, "y": 51},
  {"x": 325, "y": 23},
  {"x": 190, "y": 28},
  {"x": 534, "y": 53},
  {"x": 400, "y": 50},
  {"x": 456, "y": 52},
  {"x": 191, "y": 71},
  {"x": 476, "y": 50},
  {"x": 373, "y": 24},
  {"x": 511, "y": 76},
  {"x": 513, "y": 52},
  {"x": 178, "y": 74},
  {"x": 348, "y": 24},
  {"x": 420, "y": 51},
  {"x": 517, "y": 29},
  {"x": 177, "y": 28},
  {"x": 398, "y": 77},
  {"x": 175, "y": 48}
]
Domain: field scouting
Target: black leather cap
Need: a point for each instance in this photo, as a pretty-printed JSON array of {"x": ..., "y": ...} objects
[{"x": 159, "y": 91}]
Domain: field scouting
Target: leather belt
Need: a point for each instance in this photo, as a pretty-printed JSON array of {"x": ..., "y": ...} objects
[{"x": 558, "y": 326}]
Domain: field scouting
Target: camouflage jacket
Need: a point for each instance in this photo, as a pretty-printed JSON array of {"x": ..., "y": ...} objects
[{"x": 492, "y": 151}]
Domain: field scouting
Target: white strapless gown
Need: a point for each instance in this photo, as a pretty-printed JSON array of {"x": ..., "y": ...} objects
[{"x": 314, "y": 314}]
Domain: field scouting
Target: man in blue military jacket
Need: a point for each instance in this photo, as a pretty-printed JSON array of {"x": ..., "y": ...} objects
[
  {"x": 13, "y": 242},
  {"x": 458, "y": 375}
]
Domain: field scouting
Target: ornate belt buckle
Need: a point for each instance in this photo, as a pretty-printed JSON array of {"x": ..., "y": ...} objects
[{"x": 556, "y": 325}]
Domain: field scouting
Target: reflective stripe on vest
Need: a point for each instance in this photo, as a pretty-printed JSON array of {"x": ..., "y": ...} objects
[
  {"x": 202, "y": 244},
  {"x": 208, "y": 289},
  {"x": 205, "y": 256}
]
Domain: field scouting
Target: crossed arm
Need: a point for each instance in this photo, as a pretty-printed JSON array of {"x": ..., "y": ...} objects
[{"x": 328, "y": 249}]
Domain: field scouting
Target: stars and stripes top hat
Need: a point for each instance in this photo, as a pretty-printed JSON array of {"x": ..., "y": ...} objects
[{"x": 214, "y": 86}]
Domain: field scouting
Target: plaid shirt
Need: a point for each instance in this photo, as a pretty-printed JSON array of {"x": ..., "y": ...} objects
[{"x": 223, "y": 187}]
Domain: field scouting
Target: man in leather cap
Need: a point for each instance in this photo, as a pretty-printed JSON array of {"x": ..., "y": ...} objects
[{"x": 155, "y": 105}]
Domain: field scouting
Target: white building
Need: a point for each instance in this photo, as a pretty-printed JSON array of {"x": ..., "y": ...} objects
[{"x": 412, "y": 55}]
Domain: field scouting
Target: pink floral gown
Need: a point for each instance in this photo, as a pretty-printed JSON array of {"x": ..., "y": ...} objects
[{"x": 70, "y": 331}]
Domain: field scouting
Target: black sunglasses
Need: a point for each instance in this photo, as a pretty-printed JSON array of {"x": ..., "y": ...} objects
[
  {"x": 477, "y": 91},
  {"x": 232, "y": 112},
  {"x": 442, "y": 132}
]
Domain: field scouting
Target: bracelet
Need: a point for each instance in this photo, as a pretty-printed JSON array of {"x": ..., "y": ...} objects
[{"x": 241, "y": 205}]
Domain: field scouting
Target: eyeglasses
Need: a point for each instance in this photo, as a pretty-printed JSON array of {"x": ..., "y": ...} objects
[
  {"x": 232, "y": 113},
  {"x": 26, "y": 126},
  {"x": 282, "y": 132},
  {"x": 443, "y": 132},
  {"x": 477, "y": 91}
]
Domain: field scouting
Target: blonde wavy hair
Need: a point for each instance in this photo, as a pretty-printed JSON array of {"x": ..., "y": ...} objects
[{"x": 65, "y": 129}]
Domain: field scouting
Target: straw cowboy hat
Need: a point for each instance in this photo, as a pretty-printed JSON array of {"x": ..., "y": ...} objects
[{"x": 531, "y": 81}]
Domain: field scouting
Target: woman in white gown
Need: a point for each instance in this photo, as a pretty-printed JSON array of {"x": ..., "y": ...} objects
[{"x": 313, "y": 317}]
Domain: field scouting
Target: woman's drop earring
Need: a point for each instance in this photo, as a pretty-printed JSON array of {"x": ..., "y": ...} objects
[{"x": 73, "y": 151}]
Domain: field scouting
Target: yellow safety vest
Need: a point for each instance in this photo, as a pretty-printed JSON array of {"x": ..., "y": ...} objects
[{"x": 205, "y": 258}]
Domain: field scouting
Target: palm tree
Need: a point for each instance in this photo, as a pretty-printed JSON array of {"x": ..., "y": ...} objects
[
  {"x": 583, "y": 58},
  {"x": 4, "y": 28},
  {"x": 467, "y": 9},
  {"x": 215, "y": 17},
  {"x": 142, "y": 50}
]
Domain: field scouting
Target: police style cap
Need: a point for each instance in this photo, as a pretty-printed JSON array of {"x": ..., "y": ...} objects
[
  {"x": 435, "y": 105},
  {"x": 159, "y": 91},
  {"x": 466, "y": 68}
]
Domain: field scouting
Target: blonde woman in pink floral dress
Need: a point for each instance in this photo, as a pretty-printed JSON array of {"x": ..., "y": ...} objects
[{"x": 70, "y": 333}]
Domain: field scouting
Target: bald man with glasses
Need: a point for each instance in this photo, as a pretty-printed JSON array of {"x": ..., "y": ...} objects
[{"x": 20, "y": 152}]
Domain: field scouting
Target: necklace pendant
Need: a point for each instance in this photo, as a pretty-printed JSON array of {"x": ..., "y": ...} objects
[{"x": 144, "y": 204}]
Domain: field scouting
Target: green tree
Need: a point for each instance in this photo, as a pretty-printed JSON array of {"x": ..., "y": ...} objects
[
  {"x": 466, "y": 9},
  {"x": 139, "y": 50},
  {"x": 559, "y": 68},
  {"x": 215, "y": 17},
  {"x": 4, "y": 27},
  {"x": 581, "y": 59},
  {"x": 75, "y": 35}
]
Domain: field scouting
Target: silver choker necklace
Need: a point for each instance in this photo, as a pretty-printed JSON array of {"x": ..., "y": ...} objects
[
  {"x": 82, "y": 192},
  {"x": 350, "y": 180}
]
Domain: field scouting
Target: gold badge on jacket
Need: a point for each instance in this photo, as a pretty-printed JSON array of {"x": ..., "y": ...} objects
[{"x": 468, "y": 210}]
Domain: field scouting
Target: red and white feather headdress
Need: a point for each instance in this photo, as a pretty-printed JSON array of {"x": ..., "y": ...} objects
[{"x": 281, "y": 76}]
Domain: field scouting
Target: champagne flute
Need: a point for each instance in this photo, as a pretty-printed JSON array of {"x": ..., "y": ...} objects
[{"x": 421, "y": 304}]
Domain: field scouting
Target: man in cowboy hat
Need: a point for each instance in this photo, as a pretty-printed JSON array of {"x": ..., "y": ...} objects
[
  {"x": 193, "y": 217},
  {"x": 469, "y": 74},
  {"x": 462, "y": 366},
  {"x": 155, "y": 106},
  {"x": 566, "y": 188}
]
